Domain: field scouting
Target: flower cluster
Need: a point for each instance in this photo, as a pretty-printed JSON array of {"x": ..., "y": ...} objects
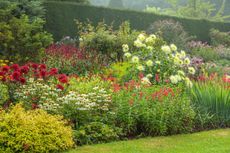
[
  {"x": 99, "y": 99},
  {"x": 37, "y": 94},
  {"x": 159, "y": 63}
]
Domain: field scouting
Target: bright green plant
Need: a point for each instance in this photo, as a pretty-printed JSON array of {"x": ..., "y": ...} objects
[
  {"x": 33, "y": 131},
  {"x": 4, "y": 96}
]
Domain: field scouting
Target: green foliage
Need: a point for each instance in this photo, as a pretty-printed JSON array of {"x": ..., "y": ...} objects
[
  {"x": 33, "y": 9},
  {"x": 138, "y": 112},
  {"x": 220, "y": 38},
  {"x": 106, "y": 41},
  {"x": 95, "y": 132},
  {"x": 116, "y": 4},
  {"x": 76, "y": 1},
  {"x": 21, "y": 39},
  {"x": 33, "y": 131},
  {"x": 4, "y": 96},
  {"x": 213, "y": 98},
  {"x": 207, "y": 53},
  {"x": 172, "y": 32},
  {"x": 61, "y": 24}
]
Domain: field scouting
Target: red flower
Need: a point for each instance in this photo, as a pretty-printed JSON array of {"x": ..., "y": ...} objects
[
  {"x": 15, "y": 67},
  {"x": 60, "y": 87},
  {"x": 5, "y": 68},
  {"x": 43, "y": 73},
  {"x": 42, "y": 66},
  {"x": 34, "y": 65},
  {"x": 63, "y": 78},
  {"x": 16, "y": 75},
  {"x": 34, "y": 106},
  {"x": 22, "y": 80},
  {"x": 24, "y": 69},
  {"x": 53, "y": 71},
  {"x": 157, "y": 78}
]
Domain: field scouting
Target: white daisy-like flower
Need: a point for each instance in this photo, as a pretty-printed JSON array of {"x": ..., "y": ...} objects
[
  {"x": 173, "y": 79},
  {"x": 187, "y": 61},
  {"x": 141, "y": 37},
  {"x": 145, "y": 81},
  {"x": 125, "y": 47},
  {"x": 135, "y": 59},
  {"x": 149, "y": 75},
  {"x": 140, "y": 68},
  {"x": 128, "y": 55}
]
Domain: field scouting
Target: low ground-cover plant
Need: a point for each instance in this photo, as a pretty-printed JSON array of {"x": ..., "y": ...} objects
[
  {"x": 211, "y": 97},
  {"x": 33, "y": 131}
]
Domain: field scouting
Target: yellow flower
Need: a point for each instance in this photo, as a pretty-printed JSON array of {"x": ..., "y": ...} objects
[
  {"x": 149, "y": 76},
  {"x": 183, "y": 54},
  {"x": 173, "y": 79},
  {"x": 158, "y": 62},
  {"x": 141, "y": 37}
]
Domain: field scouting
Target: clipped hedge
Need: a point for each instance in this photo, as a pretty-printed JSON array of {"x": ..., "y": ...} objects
[{"x": 60, "y": 19}]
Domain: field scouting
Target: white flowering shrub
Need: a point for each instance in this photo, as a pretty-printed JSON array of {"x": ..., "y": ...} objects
[
  {"x": 88, "y": 107},
  {"x": 159, "y": 62},
  {"x": 37, "y": 94}
]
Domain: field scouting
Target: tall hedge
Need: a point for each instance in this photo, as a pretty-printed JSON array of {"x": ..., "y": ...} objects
[{"x": 60, "y": 19}]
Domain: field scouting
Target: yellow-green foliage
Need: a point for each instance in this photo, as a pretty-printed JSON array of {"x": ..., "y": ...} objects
[
  {"x": 33, "y": 131},
  {"x": 4, "y": 96}
]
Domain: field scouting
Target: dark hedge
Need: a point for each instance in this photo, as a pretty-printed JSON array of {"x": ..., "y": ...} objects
[{"x": 60, "y": 19}]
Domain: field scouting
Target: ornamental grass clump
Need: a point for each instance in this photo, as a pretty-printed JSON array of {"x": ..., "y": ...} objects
[{"x": 212, "y": 96}]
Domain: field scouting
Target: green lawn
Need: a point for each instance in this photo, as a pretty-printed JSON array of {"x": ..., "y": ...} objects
[{"x": 217, "y": 141}]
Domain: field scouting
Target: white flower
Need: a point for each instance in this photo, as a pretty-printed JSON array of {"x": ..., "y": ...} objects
[
  {"x": 166, "y": 49},
  {"x": 181, "y": 73},
  {"x": 173, "y": 79},
  {"x": 158, "y": 62},
  {"x": 127, "y": 55},
  {"x": 149, "y": 63},
  {"x": 139, "y": 44},
  {"x": 183, "y": 54},
  {"x": 141, "y": 37},
  {"x": 80, "y": 39},
  {"x": 191, "y": 70},
  {"x": 141, "y": 68},
  {"x": 135, "y": 59},
  {"x": 125, "y": 48},
  {"x": 187, "y": 61},
  {"x": 150, "y": 40},
  {"x": 173, "y": 47},
  {"x": 188, "y": 83},
  {"x": 153, "y": 36},
  {"x": 145, "y": 81},
  {"x": 149, "y": 76},
  {"x": 178, "y": 77},
  {"x": 150, "y": 48}
]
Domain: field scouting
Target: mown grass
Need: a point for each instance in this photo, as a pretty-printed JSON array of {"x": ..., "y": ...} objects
[{"x": 217, "y": 141}]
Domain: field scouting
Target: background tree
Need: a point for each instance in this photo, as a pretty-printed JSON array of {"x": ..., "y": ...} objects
[{"x": 116, "y": 4}]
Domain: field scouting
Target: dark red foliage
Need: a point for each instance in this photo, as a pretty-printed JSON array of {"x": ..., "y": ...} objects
[
  {"x": 15, "y": 67},
  {"x": 22, "y": 80},
  {"x": 5, "y": 68},
  {"x": 24, "y": 69},
  {"x": 63, "y": 78},
  {"x": 16, "y": 75},
  {"x": 60, "y": 87}
]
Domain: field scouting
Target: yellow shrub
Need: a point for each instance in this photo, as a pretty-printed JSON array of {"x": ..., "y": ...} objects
[{"x": 33, "y": 131}]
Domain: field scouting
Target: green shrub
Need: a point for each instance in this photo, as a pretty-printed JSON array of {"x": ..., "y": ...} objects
[
  {"x": 95, "y": 132},
  {"x": 21, "y": 39},
  {"x": 33, "y": 131},
  {"x": 220, "y": 38},
  {"x": 172, "y": 32},
  {"x": 207, "y": 53},
  {"x": 106, "y": 41}
]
